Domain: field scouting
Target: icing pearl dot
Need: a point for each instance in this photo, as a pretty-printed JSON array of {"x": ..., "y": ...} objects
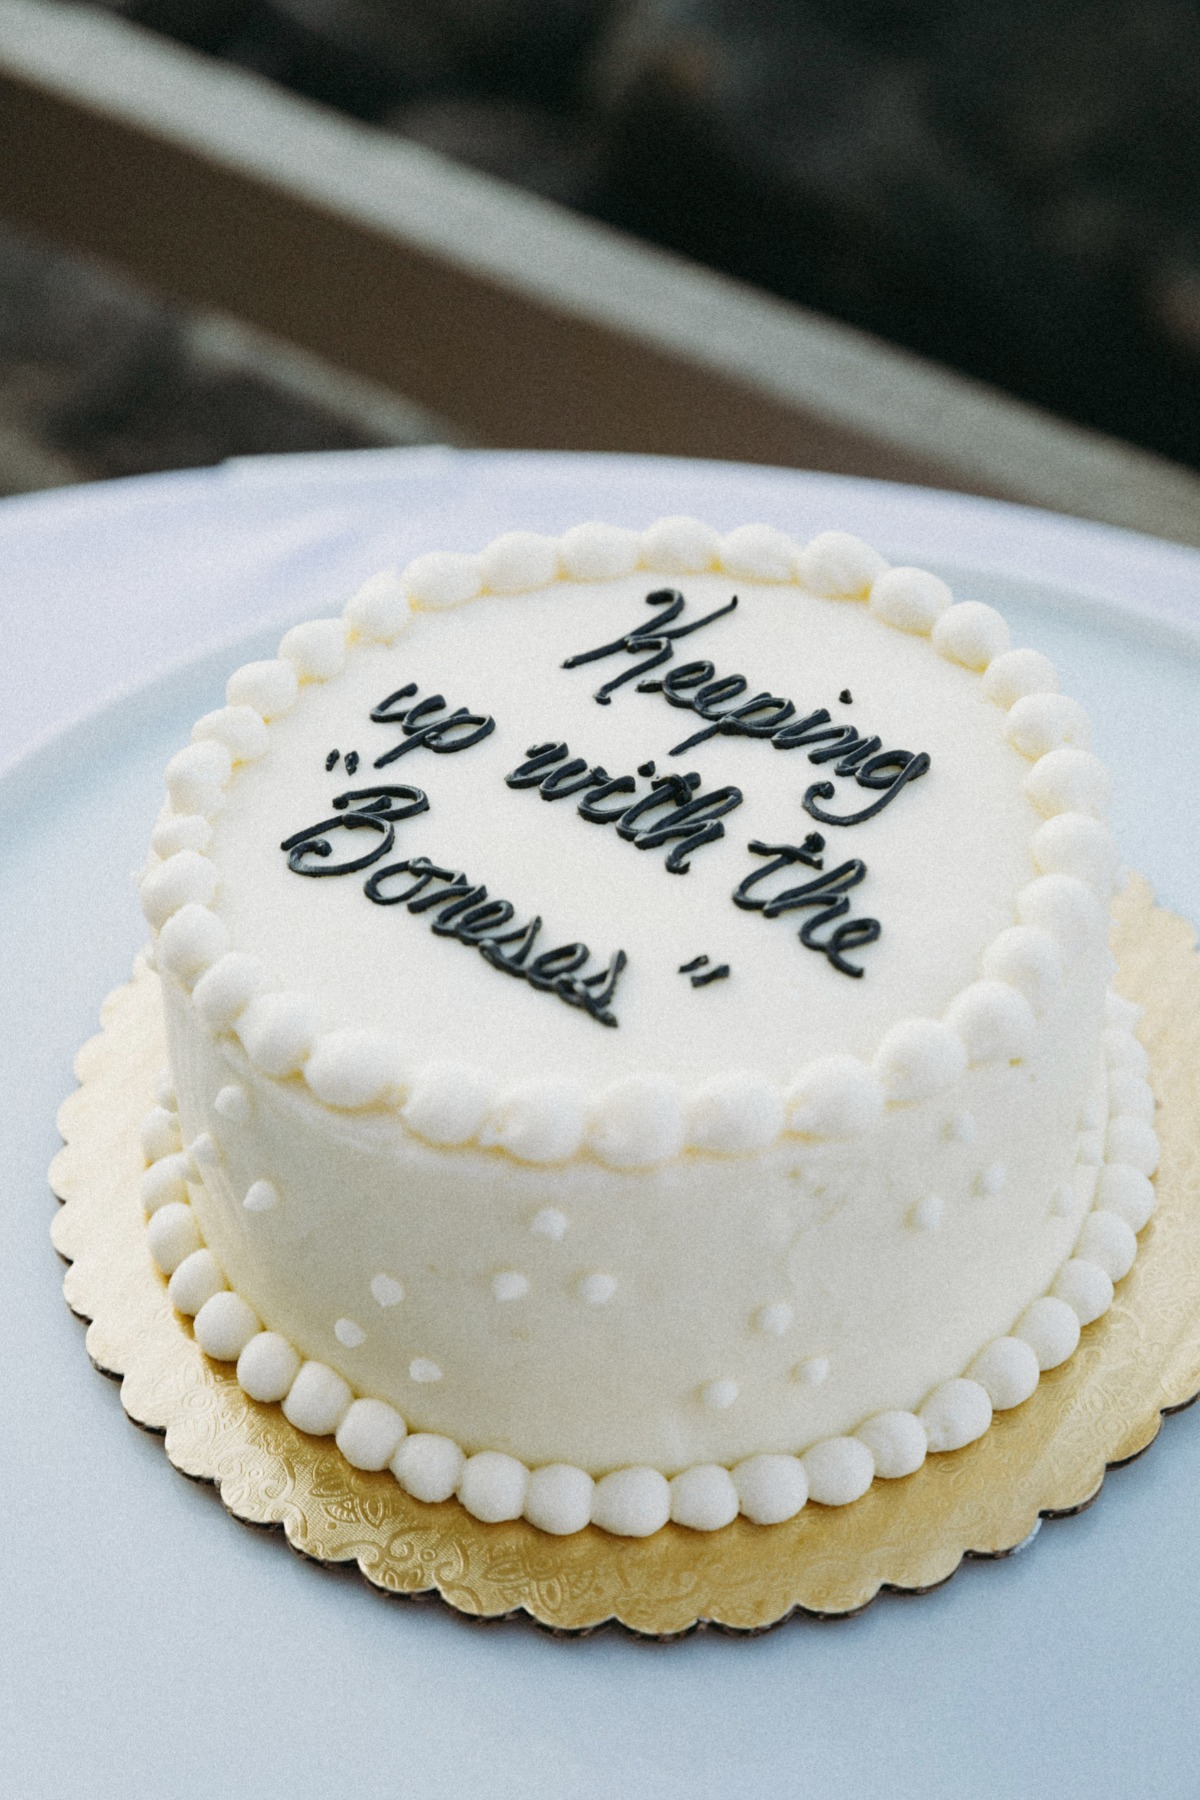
[
  {"x": 991, "y": 1180},
  {"x": 961, "y": 1129},
  {"x": 632, "y": 1502},
  {"x": 493, "y": 1487},
  {"x": 1051, "y": 1329},
  {"x": 386, "y": 1290},
  {"x": 510, "y": 1285},
  {"x": 196, "y": 1280},
  {"x": 317, "y": 1400},
  {"x": 839, "y": 1470},
  {"x": 261, "y": 1196},
  {"x": 164, "y": 1182},
  {"x": 549, "y": 1222},
  {"x": 559, "y": 1499},
  {"x": 897, "y": 1441},
  {"x": 1108, "y": 1240},
  {"x": 717, "y": 1395},
  {"x": 1007, "y": 1370},
  {"x": 926, "y": 1215},
  {"x": 349, "y": 1333},
  {"x": 224, "y": 1326},
  {"x": 369, "y": 1434},
  {"x": 1125, "y": 1190},
  {"x": 172, "y": 1235},
  {"x": 956, "y": 1413},
  {"x": 421, "y": 1369},
  {"x": 770, "y": 1489},
  {"x": 267, "y": 1367},
  {"x": 597, "y": 1289},
  {"x": 704, "y": 1498},
  {"x": 233, "y": 1104},
  {"x": 1085, "y": 1287},
  {"x": 813, "y": 1372},
  {"x": 164, "y": 1091},
  {"x": 428, "y": 1467},
  {"x": 773, "y": 1320}
]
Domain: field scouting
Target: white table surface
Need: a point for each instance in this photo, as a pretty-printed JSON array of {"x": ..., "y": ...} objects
[{"x": 149, "y": 1645}]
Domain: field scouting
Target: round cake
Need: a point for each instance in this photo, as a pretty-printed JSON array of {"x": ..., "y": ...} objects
[{"x": 640, "y": 1034}]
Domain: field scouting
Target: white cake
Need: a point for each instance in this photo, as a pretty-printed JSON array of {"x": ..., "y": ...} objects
[{"x": 605, "y": 1125}]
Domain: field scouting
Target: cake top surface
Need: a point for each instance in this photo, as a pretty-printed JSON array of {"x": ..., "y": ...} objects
[{"x": 646, "y": 807}]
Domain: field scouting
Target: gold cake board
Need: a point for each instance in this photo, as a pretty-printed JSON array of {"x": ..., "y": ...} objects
[{"x": 1042, "y": 1459}]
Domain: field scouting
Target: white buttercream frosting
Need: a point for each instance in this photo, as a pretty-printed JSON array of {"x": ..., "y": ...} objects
[{"x": 740, "y": 1252}]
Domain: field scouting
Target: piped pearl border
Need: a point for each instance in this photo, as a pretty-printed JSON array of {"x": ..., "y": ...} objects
[
  {"x": 644, "y": 1121},
  {"x": 636, "y": 1502}
]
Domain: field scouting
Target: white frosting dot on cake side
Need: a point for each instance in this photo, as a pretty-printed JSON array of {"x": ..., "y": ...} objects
[
  {"x": 771, "y": 1180},
  {"x": 813, "y": 1371},
  {"x": 926, "y": 1213},
  {"x": 597, "y": 1289},
  {"x": 719, "y": 1395},
  {"x": 232, "y": 1104},
  {"x": 386, "y": 1290},
  {"x": 549, "y": 1222},
  {"x": 261, "y": 1196}
]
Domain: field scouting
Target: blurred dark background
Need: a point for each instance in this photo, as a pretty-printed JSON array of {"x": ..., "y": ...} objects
[{"x": 1008, "y": 186}]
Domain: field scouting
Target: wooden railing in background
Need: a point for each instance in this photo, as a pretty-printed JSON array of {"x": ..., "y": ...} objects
[{"x": 520, "y": 322}]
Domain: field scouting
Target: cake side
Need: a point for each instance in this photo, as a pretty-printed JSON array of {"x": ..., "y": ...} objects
[{"x": 660, "y": 1271}]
